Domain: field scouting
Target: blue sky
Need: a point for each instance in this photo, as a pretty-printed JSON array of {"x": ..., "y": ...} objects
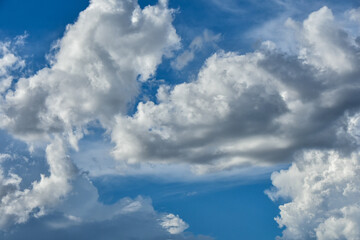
[{"x": 179, "y": 119}]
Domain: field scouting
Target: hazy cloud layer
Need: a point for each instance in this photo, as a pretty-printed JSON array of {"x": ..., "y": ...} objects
[
  {"x": 257, "y": 108},
  {"x": 199, "y": 42},
  {"x": 81, "y": 216}
]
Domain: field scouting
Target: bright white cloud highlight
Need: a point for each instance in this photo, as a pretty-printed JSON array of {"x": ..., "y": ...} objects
[
  {"x": 173, "y": 224},
  {"x": 323, "y": 189}
]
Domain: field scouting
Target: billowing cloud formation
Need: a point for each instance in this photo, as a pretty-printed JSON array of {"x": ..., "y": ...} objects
[
  {"x": 253, "y": 109},
  {"x": 95, "y": 70},
  {"x": 257, "y": 108},
  {"x": 94, "y": 74},
  {"x": 324, "y": 191}
]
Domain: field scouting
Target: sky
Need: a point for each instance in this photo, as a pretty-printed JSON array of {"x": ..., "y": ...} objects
[{"x": 179, "y": 119}]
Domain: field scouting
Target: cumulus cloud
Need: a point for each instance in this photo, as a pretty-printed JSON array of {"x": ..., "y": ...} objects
[
  {"x": 257, "y": 108},
  {"x": 254, "y": 109},
  {"x": 173, "y": 224},
  {"x": 323, "y": 189},
  {"x": 95, "y": 72}
]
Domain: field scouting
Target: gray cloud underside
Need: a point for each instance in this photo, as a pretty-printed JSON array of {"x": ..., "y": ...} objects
[
  {"x": 259, "y": 108},
  {"x": 253, "y": 109}
]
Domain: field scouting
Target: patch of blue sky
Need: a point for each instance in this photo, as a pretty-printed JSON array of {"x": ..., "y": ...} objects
[
  {"x": 43, "y": 21},
  {"x": 236, "y": 21},
  {"x": 229, "y": 209},
  {"x": 28, "y": 165},
  {"x": 225, "y": 210}
]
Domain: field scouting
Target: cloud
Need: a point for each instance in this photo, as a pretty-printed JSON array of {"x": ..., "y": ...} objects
[
  {"x": 321, "y": 33},
  {"x": 95, "y": 71},
  {"x": 242, "y": 110},
  {"x": 81, "y": 216},
  {"x": 196, "y": 45},
  {"x": 323, "y": 192},
  {"x": 9, "y": 62},
  {"x": 253, "y": 109},
  {"x": 18, "y": 205},
  {"x": 173, "y": 224},
  {"x": 229, "y": 6}
]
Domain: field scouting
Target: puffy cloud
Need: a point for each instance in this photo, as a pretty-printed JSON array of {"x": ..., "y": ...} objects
[
  {"x": 95, "y": 71},
  {"x": 173, "y": 224},
  {"x": 195, "y": 121},
  {"x": 320, "y": 34},
  {"x": 257, "y": 108},
  {"x": 253, "y": 109},
  {"x": 94, "y": 74},
  {"x": 323, "y": 189}
]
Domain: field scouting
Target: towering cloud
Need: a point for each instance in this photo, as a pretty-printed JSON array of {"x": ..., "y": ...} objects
[{"x": 321, "y": 187}]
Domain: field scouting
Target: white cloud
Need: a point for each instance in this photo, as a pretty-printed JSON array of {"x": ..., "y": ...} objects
[
  {"x": 18, "y": 205},
  {"x": 253, "y": 109},
  {"x": 184, "y": 125},
  {"x": 354, "y": 14},
  {"x": 323, "y": 189},
  {"x": 321, "y": 33},
  {"x": 9, "y": 61},
  {"x": 8, "y": 58},
  {"x": 4, "y": 156},
  {"x": 95, "y": 73},
  {"x": 173, "y": 224},
  {"x": 195, "y": 46},
  {"x": 81, "y": 216},
  {"x": 95, "y": 70}
]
